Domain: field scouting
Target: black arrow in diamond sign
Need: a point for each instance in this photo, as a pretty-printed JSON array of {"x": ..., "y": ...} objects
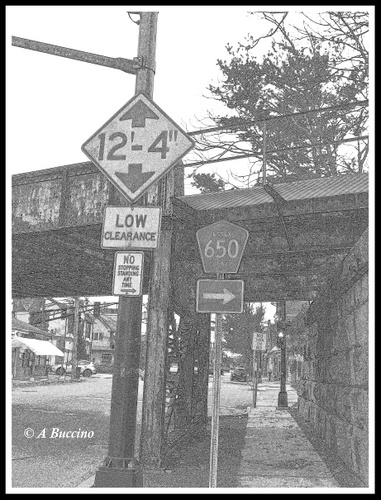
[
  {"x": 139, "y": 114},
  {"x": 134, "y": 178},
  {"x": 137, "y": 146}
]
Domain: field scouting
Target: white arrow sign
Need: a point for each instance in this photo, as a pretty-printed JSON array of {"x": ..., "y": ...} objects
[
  {"x": 226, "y": 296},
  {"x": 137, "y": 146},
  {"x": 219, "y": 296}
]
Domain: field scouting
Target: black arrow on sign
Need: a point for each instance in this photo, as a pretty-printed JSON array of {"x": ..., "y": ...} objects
[
  {"x": 138, "y": 114},
  {"x": 134, "y": 178}
]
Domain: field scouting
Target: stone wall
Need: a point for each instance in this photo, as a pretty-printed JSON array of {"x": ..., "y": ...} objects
[{"x": 333, "y": 389}]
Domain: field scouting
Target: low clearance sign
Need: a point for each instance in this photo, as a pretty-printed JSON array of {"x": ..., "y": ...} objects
[{"x": 131, "y": 227}]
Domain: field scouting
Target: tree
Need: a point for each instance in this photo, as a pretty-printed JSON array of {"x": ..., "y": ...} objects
[
  {"x": 296, "y": 332},
  {"x": 207, "y": 183},
  {"x": 277, "y": 103},
  {"x": 238, "y": 331}
]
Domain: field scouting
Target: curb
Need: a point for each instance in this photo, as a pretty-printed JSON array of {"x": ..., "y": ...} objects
[
  {"x": 16, "y": 384},
  {"x": 87, "y": 483}
]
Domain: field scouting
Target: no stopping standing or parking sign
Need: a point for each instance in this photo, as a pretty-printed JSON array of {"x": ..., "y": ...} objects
[{"x": 128, "y": 274}]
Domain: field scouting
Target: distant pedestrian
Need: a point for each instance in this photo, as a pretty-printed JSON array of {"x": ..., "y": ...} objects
[{"x": 270, "y": 373}]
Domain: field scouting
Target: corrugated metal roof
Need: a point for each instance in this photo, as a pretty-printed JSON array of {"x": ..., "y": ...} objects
[
  {"x": 298, "y": 190},
  {"x": 323, "y": 187},
  {"x": 228, "y": 199}
]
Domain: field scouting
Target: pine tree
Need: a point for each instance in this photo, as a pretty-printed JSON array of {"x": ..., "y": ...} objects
[{"x": 322, "y": 63}]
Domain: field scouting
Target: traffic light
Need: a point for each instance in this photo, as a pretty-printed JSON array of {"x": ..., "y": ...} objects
[
  {"x": 281, "y": 340},
  {"x": 281, "y": 325}
]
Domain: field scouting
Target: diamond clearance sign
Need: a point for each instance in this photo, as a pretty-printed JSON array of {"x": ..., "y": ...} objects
[{"x": 137, "y": 146}]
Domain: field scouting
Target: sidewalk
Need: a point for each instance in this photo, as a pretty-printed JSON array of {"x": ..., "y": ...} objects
[
  {"x": 277, "y": 454},
  {"x": 267, "y": 450}
]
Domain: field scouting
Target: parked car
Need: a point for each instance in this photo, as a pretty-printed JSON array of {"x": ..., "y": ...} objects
[
  {"x": 86, "y": 367},
  {"x": 239, "y": 374}
]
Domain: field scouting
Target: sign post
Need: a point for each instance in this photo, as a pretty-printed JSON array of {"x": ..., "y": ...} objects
[
  {"x": 259, "y": 345},
  {"x": 255, "y": 378},
  {"x": 221, "y": 248},
  {"x": 216, "y": 398}
]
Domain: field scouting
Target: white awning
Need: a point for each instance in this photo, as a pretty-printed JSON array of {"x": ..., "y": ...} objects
[{"x": 39, "y": 347}]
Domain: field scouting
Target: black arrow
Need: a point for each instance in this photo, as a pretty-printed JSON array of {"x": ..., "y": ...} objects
[
  {"x": 138, "y": 114},
  {"x": 134, "y": 178},
  {"x": 128, "y": 290}
]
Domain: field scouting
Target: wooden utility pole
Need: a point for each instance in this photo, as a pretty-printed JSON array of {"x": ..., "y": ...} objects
[
  {"x": 282, "y": 396},
  {"x": 75, "y": 339},
  {"x": 64, "y": 344},
  {"x": 152, "y": 430},
  {"x": 43, "y": 317}
]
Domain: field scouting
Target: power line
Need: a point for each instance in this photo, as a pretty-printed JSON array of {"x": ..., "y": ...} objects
[
  {"x": 288, "y": 115},
  {"x": 270, "y": 151},
  {"x": 83, "y": 309}
]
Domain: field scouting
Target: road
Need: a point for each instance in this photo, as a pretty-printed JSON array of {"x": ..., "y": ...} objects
[{"x": 82, "y": 408}]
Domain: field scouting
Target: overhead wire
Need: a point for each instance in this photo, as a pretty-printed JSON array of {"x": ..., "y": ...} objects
[
  {"x": 288, "y": 115},
  {"x": 271, "y": 151},
  {"x": 232, "y": 127}
]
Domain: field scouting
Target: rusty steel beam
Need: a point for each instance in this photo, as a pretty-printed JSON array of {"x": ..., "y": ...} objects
[{"x": 125, "y": 65}]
